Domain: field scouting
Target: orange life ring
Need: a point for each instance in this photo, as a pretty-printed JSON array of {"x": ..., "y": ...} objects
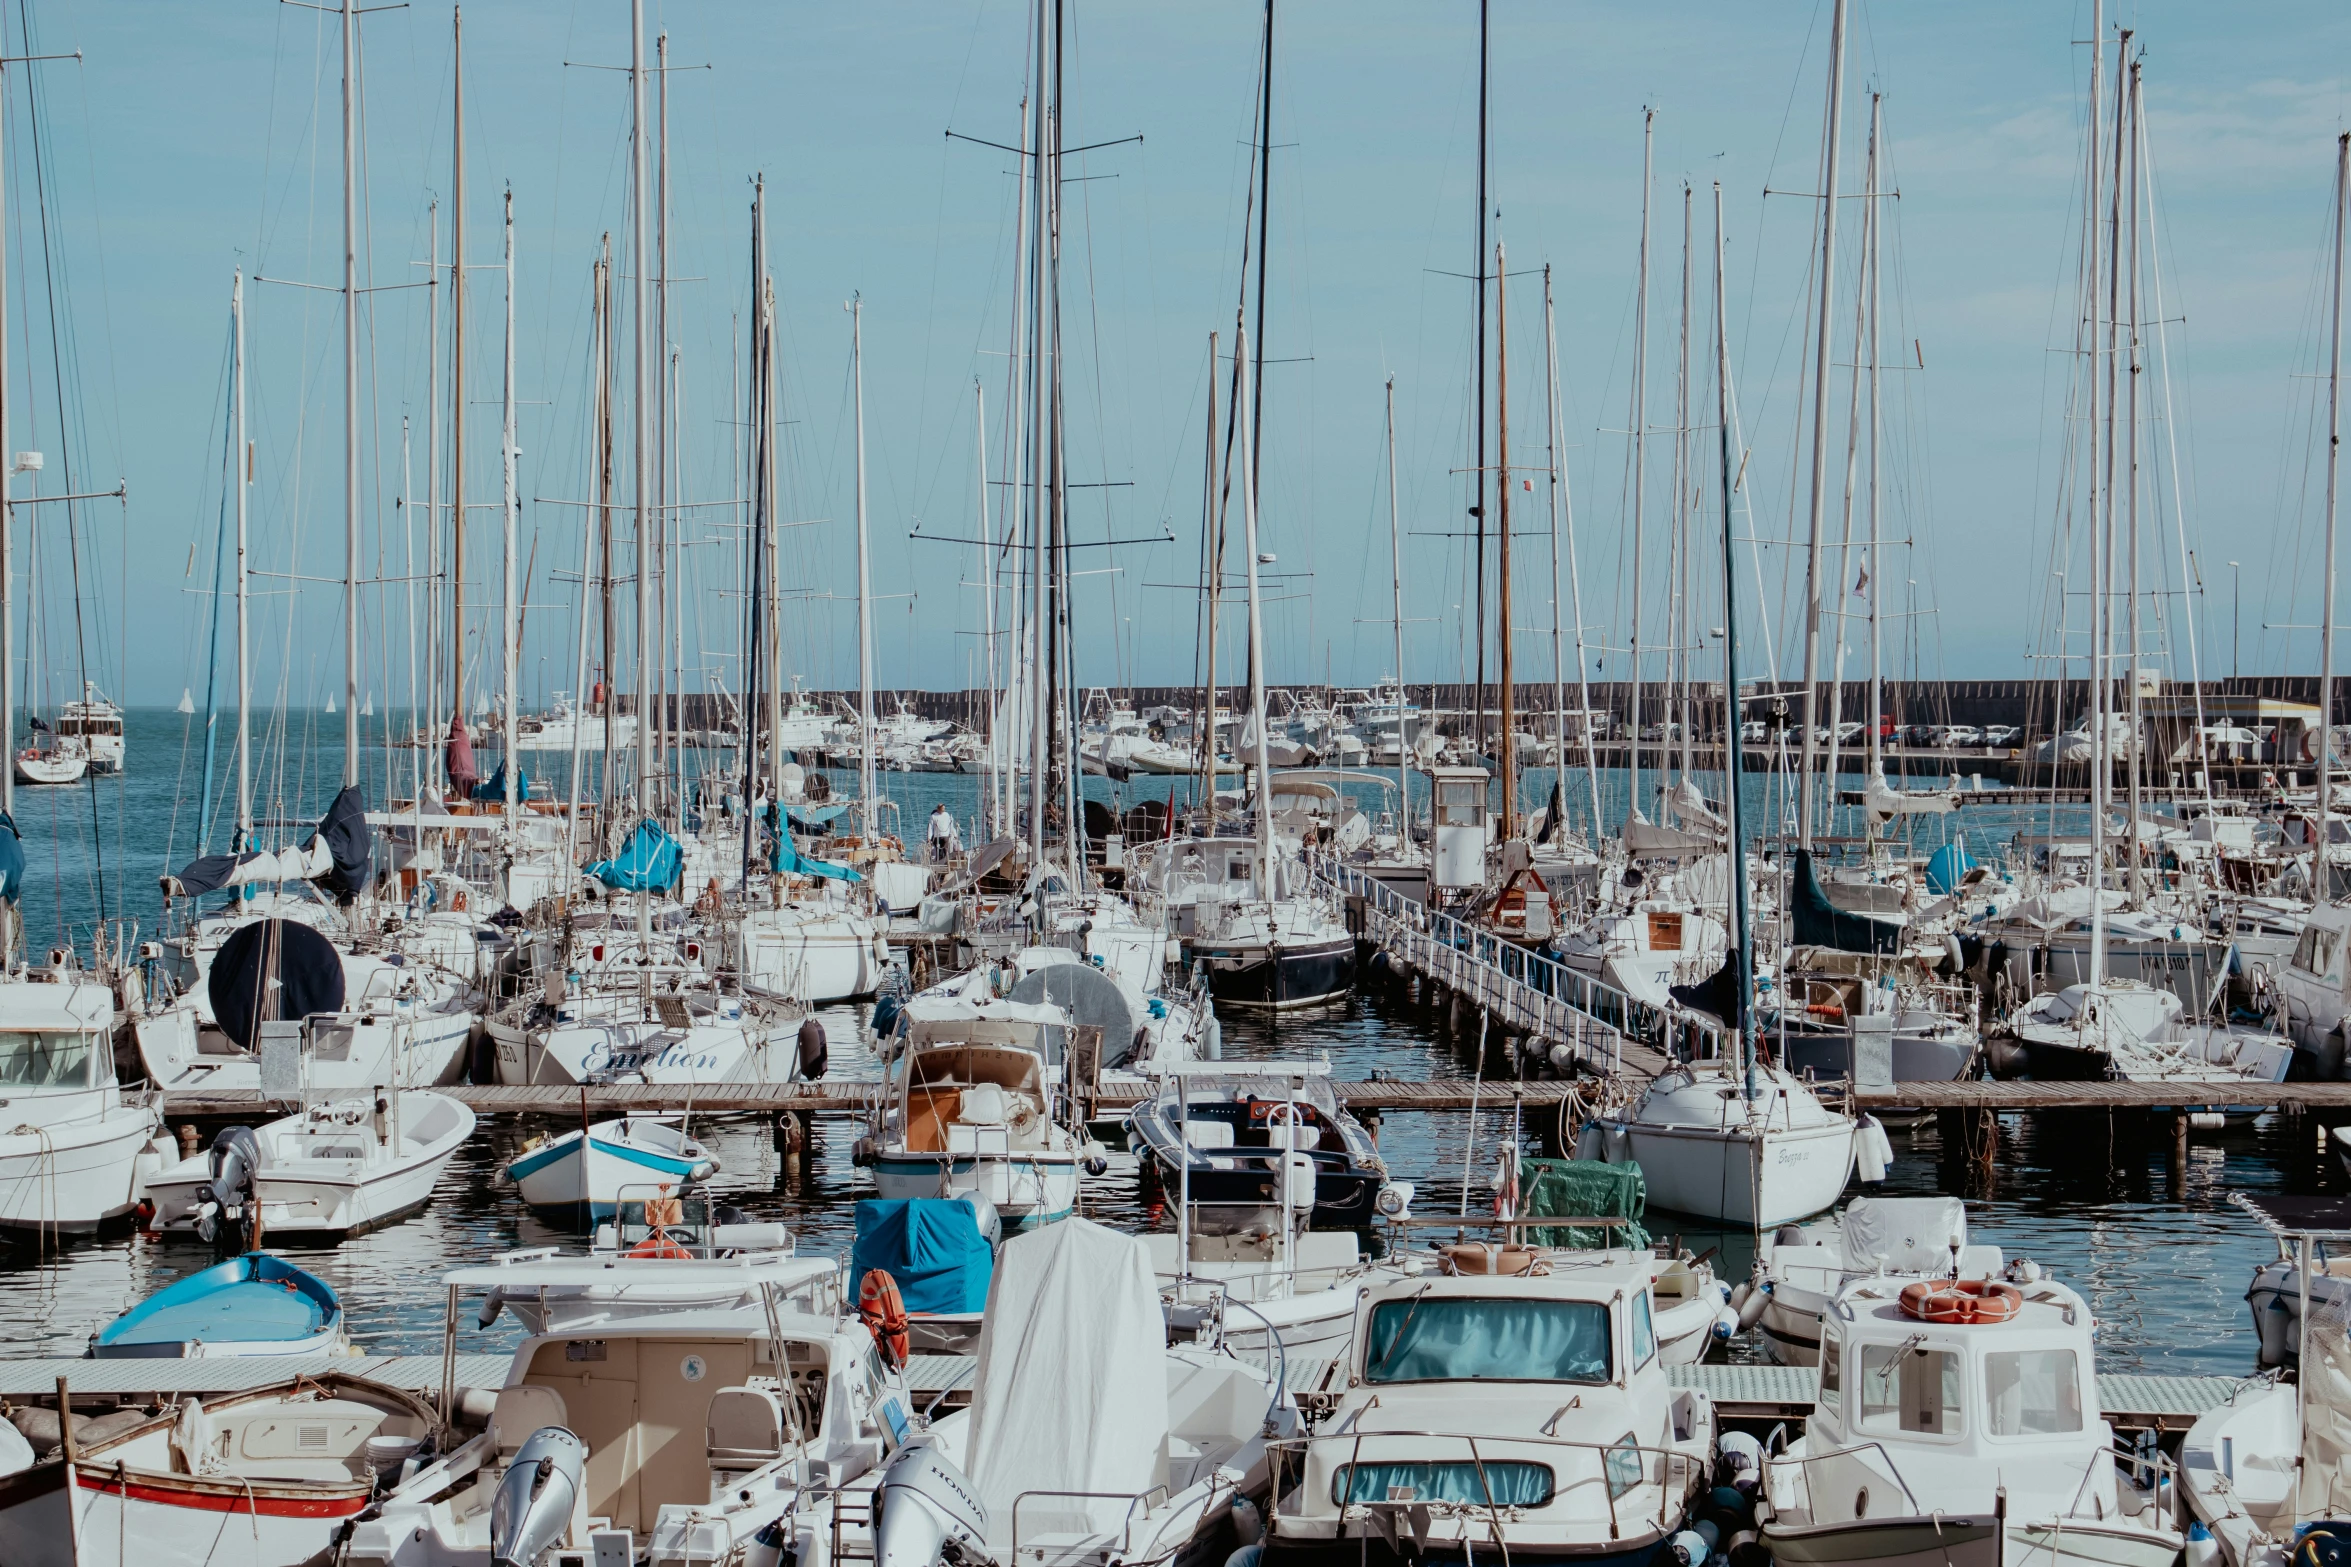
[
  {"x": 884, "y": 1313},
  {"x": 1971, "y": 1302},
  {"x": 661, "y": 1247}
]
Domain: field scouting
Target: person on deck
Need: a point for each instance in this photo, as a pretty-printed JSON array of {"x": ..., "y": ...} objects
[{"x": 945, "y": 840}]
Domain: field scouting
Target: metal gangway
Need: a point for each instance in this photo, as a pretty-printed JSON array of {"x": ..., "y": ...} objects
[{"x": 1523, "y": 991}]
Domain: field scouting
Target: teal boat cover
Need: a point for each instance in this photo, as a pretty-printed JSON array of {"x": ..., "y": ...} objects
[
  {"x": 11, "y": 858},
  {"x": 495, "y": 788},
  {"x": 652, "y": 862},
  {"x": 1583, "y": 1189},
  {"x": 789, "y": 861},
  {"x": 931, "y": 1245}
]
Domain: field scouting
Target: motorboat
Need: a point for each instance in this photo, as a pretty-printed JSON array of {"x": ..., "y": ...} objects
[
  {"x": 1503, "y": 1401},
  {"x": 1260, "y": 1296},
  {"x": 2257, "y": 1470},
  {"x": 1928, "y": 1028},
  {"x": 1647, "y": 946},
  {"x": 269, "y": 1477},
  {"x": 712, "y": 1427},
  {"x": 1241, "y": 1144},
  {"x": 79, "y": 1148},
  {"x": 2046, "y": 942},
  {"x": 340, "y": 1168},
  {"x": 558, "y": 1181},
  {"x": 96, "y": 721},
  {"x": 253, "y": 1305},
  {"x": 564, "y": 728},
  {"x": 1757, "y": 1149},
  {"x": 1800, "y": 1270},
  {"x": 1112, "y": 1446},
  {"x": 2140, "y": 1033},
  {"x": 1958, "y": 1422}
]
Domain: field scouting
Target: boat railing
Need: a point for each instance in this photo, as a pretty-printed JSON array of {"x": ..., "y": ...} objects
[
  {"x": 1673, "y": 1469},
  {"x": 1539, "y": 991},
  {"x": 1802, "y": 1464},
  {"x": 1138, "y": 1505}
]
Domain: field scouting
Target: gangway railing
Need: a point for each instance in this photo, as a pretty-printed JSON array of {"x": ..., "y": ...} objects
[{"x": 1525, "y": 990}]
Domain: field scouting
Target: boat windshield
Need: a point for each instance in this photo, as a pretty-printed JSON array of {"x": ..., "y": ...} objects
[
  {"x": 2032, "y": 1392},
  {"x": 1469, "y": 1339},
  {"x": 46, "y": 1058}
]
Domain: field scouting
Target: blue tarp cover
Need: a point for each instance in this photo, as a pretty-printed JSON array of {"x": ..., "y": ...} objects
[
  {"x": 495, "y": 788},
  {"x": 652, "y": 862},
  {"x": 1945, "y": 866},
  {"x": 789, "y": 861},
  {"x": 931, "y": 1245},
  {"x": 11, "y": 858}
]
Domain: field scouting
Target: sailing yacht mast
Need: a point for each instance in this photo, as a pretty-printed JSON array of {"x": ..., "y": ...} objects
[
  {"x": 865, "y": 780},
  {"x": 1686, "y": 639},
  {"x": 2131, "y": 504},
  {"x": 1396, "y": 586},
  {"x": 642, "y": 454},
  {"x": 1562, "y": 501},
  {"x": 457, "y": 368},
  {"x": 1506, "y": 753},
  {"x": 1265, "y": 861},
  {"x": 510, "y": 648},
  {"x": 2319, "y": 877},
  {"x": 1873, "y": 251},
  {"x": 979, "y": 452},
  {"x": 430, "y": 697},
  {"x": 1640, "y": 424},
  {"x": 597, "y": 351},
  {"x": 1039, "y": 477},
  {"x": 659, "y": 561},
  {"x": 243, "y": 481},
  {"x": 1477, "y": 460},
  {"x": 1821, "y": 366},
  {"x": 1741, "y": 944},
  {"x": 1206, "y": 740},
  {"x": 350, "y": 395}
]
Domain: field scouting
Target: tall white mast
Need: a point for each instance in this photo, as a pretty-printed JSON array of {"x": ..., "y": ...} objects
[
  {"x": 1040, "y": 389},
  {"x": 2131, "y": 494},
  {"x": 979, "y": 452},
  {"x": 243, "y": 481},
  {"x": 865, "y": 781},
  {"x": 1874, "y": 261},
  {"x": 1685, "y": 640},
  {"x": 350, "y": 395},
  {"x": 1256, "y": 623},
  {"x": 640, "y": 464},
  {"x": 510, "y": 643},
  {"x": 2326, "y": 626},
  {"x": 1633, "y": 810},
  {"x": 427, "y": 699},
  {"x": 1821, "y": 365},
  {"x": 1396, "y": 582},
  {"x": 1563, "y": 505}
]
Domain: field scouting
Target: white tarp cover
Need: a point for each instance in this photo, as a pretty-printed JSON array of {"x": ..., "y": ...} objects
[
  {"x": 1904, "y": 1234},
  {"x": 1687, "y": 803},
  {"x": 2323, "y": 1485},
  {"x": 285, "y": 865},
  {"x": 1071, "y": 1389},
  {"x": 1886, "y": 802},
  {"x": 1646, "y": 838}
]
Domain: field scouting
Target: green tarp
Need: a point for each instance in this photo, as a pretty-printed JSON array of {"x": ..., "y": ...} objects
[{"x": 1583, "y": 1189}]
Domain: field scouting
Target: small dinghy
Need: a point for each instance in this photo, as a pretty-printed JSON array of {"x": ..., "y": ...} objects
[
  {"x": 559, "y": 1183},
  {"x": 254, "y": 1305},
  {"x": 336, "y": 1170}
]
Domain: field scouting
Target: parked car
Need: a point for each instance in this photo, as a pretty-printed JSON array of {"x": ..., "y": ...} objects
[
  {"x": 1962, "y": 736},
  {"x": 2002, "y": 736},
  {"x": 1850, "y": 733},
  {"x": 1919, "y": 734}
]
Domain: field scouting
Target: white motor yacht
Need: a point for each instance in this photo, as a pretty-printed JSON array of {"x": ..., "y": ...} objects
[
  {"x": 79, "y": 1149},
  {"x": 1801, "y": 1269},
  {"x": 1504, "y": 1403},
  {"x": 1958, "y": 1422}
]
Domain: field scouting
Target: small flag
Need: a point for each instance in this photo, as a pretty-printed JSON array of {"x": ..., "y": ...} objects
[{"x": 1862, "y": 586}]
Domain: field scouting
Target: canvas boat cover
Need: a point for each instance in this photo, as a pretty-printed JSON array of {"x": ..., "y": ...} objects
[
  {"x": 349, "y": 842},
  {"x": 494, "y": 787},
  {"x": 273, "y": 971},
  {"x": 1071, "y": 1389},
  {"x": 1820, "y": 923},
  {"x": 458, "y": 758},
  {"x": 931, "y": 1245},
  {"x": 1904, "y": 1234},
  {"x": 340, "y": 854},
  {"x": 11, "y": 858},
  {"x": 789, "y": 861},
  {"x": 1583, "y": 1189},
  {"x": 1886, "y": 802},
  {"x": 652, "y": 862},
  {"x": 1647, "y": 840}
]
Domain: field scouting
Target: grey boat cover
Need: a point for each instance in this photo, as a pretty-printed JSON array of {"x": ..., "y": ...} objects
[{"x": 1904, "y": 1234}]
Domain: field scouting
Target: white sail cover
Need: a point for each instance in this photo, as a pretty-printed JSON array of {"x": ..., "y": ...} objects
[
  {"x": 1071, "y": 1389},
  {"x": 1904, "y": 1234},
  {"x": 1886, "y": 802},
  {"x": 1688, "y": 804},
  {"x": 1646, "y": 839}
]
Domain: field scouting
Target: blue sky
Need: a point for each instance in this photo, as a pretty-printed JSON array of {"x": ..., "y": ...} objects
[{"x": 195, "y": 139}]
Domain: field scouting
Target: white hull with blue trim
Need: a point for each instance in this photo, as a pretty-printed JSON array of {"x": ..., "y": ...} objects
[
  {"x": 1028, "y": 1188},
  {"x": 635, "y": 1151}
]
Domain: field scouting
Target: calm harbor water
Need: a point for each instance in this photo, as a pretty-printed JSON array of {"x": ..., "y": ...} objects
[{"x": 2163, "y": 1257}]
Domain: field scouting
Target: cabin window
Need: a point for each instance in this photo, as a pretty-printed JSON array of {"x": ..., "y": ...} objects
[
  {"x": 1644, "y": 1331},
  {"x": 1622, "y": 1464},
  {"x": 1466, "y": 1339},
  {"x": 46, "y": 1058},
  {"x": 1460, "y": 804},
  {"x": 1492, "y": 1483},
  {"x": 2032, "y": 1392},
  {"x": 1237, "y": 868},
  {"x": 1832, "y": 1371},
  {"x": 2315, "y": 952},
  {"x": 1908, "y": 1387}
]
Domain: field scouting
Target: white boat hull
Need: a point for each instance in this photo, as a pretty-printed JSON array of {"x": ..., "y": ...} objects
[
  {"x": 813, "y": 956},
  {"x": 420, "y": 1049},
  {"x": 1738, "y": 1177},
  {"x": 325, "y": 1198},
  {"x": 73, "y": 1176},
  {"x": 1027, "y": 1188},
  {"x": 557, "y": 1179},
  {"x": 643, "y": 1052}
]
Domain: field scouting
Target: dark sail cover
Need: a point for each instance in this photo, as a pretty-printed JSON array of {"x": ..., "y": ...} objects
[
  {"x": 351, "y": 841},
  {"x": 307, "y": 970},
  {"x": 11, "y": 858},
  {"x": 1820, "y": 923},
  {"x": 1717, "y": 993},
  {"x": 206, "y": 873}
]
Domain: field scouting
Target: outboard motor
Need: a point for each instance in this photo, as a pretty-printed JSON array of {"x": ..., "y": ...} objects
[
  {"x": 229, "y": 1204},
  {"x": 925, "y": 1512},
  {"x": 534, "y": 1503}
]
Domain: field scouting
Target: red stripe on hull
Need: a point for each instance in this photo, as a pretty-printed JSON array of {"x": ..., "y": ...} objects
[{"x": 238, "y": 1500}]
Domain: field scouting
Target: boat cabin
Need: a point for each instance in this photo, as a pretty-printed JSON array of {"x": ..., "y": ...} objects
[{"x": 1458, "y": 827}]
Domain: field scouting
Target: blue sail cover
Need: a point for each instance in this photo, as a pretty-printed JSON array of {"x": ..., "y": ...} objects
[
  {"x": 789, "y": 861},
  {"x": 652, "y": 862},
  {"x": 495, "y": 788},
  {"x": 11, "y": 858},
  {"x": 931, "y": 1245}
]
